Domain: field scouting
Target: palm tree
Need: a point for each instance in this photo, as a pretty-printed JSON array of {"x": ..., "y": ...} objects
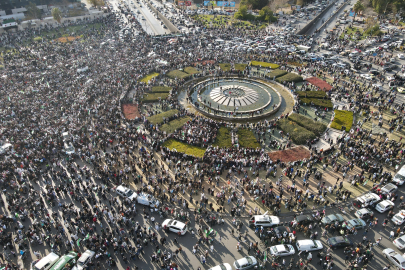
[
  {"x": 357, "y": 8},
  {"x": 57, "y": 14}
]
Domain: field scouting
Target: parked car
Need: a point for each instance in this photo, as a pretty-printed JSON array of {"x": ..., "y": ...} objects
[
  {"x": 400, "y": 242},
  {"x": 364, "y": 213},
  {"x": 399, "y": 177},
  {"x": 394, "y": 258},
  {"x": 265, "y": 220},
  {"x": 399, "y": 218},
  {"x": 384, "y": 206},
  {"x": 245, "y": 263},
  {"x": 282, "y": 250},
  {"x": 331, "y": 219},
  {"x": 304, "y": 220},
  {"x": 355, "y": 223},
  {"x": 389, "y": 188},
  {"x": 339, "y": 242},
  {"x": 310, "y": 245}
]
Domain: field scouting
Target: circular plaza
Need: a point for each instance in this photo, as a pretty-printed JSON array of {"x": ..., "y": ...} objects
[{"x": 234, "y": 98}]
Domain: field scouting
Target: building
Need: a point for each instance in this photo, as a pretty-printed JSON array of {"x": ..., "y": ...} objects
[{"x": 9, "y": 7}]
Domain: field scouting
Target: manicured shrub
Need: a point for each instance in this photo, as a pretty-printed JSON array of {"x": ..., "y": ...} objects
[
  {"x": 154, "y": 97},
  {"x": 161, "y": 89},
  {"x": 276, "y": 73},
  {"x": 175, "y": 124},
  {"x": 240, "y": 67},
  {"x": 325, "y": 103},
  {"x": 298, "y": 134},
  {"x": 311, "y": 94},
  {"x": 342, "y": 118},
  {"x": 149, "y": 77},
  {"x": 191, "y": 70},
  {"x": 225, "y": 67},
  {"x": 224, "y": 138},
  {"x": 289, "y": 77},
  {"x": 177, "y": 74},
  {"x": 316, "y": 127},
  {"x": 247, "y": 138}
]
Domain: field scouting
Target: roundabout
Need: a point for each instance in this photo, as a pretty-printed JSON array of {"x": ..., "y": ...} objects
[{"x": 234, "y": 98}]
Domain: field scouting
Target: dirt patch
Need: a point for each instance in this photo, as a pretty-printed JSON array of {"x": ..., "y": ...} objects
[
  {"x": 66, "y": 39},
  {"x": 293, "y": 154},
  {"x": 130, "y": 111}
]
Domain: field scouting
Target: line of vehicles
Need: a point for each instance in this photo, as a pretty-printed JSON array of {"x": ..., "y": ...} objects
[{"x": 71, "y": 260}]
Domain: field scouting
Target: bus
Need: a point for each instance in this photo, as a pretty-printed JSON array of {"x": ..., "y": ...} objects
[{"x": 65, "y": 262}]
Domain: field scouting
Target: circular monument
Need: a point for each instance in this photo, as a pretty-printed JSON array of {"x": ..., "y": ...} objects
[{"x": 234, "y": 98}]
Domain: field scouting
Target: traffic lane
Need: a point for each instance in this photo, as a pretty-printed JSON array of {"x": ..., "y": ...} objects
[{"x": 152, "y": 20}]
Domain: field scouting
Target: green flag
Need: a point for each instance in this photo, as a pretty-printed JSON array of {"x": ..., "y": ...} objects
[
  {"x": 78, "y": 242},
  {"x": 209, "y": 232},
  {"x": 265, "y": 256},
  {"x": 87, "y": 236}
]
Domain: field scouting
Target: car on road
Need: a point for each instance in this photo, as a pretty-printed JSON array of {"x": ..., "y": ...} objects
[
  {"x": 389, "y": 188},
  {"x": 339, "y": 242},
  {"x": 401, "y": 56},
  {"x": 400, "y": 242},
  {"x": 224, "y": 266},
  {"x": 401, "y": 90},
  {"x": 282, "y": 250},
  {"x": 175, "y": 226},
  {"x": 394, "y": 258},
  {"x": 399, "y": 218},
  {"x": 384, "y": 206},
  {"x": 264, "y": 220},
  {"x": 245, "y": 263},
  {"x": 368, "y": 199},
  {"x": 364, "y": 213},
  {"x": 282, "y": 230},
  {"x": 399, "y": 177},
  {"x": 126, "y": 192},
  {"x": 330, "y": 219},
  {"x": 310, "y": 245},
  {"x": 356, "y": 223}
]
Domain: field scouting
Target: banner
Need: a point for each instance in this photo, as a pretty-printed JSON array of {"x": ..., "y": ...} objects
[
  {"x": 210, "y": 3},
  {"x": 225, "y": 4}
]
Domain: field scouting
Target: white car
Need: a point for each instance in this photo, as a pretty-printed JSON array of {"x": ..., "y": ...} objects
[
  {"x": 224, "y": 266},
  {"x": 309, "y": 245},
  {"x": 399, "y": 218},
  {"x": 399, "y": 177},
  {"x": 175, "y": 226},
  {"x": 366, "y": 76},
  {"x": 401, "y": 56},
  {"x": 126, "y": 192},
  {"x": 265, "y": 220},
  {"x": 384, "y": 206},
  {"x": 400, "y": 242},
  {"x": 282, "y": 250},
  {"x": 245, "y": 263},
  {"x": 86, "y": 257},
  {"x": 395, "y": 258}
]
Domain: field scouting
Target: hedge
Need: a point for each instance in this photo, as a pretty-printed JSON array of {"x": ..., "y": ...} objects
[
  {"x": 158, "y": 118},
  {"x": 191, "y": 70},
  {"x": 298, "y": 134},
  {"x": 311, "y": 94},
  {"x": 342, "y": 118},
  {"x": 224, "y": 138},
  {"x": 161, "y": 89},
  {"x": 225, "y": 67},
  {"x": 276, "y": 73},
  {"x": 177, "y": 74},
  {"x": 289, "y": 77},
  {"x": 326, "y": 103},
  {"x": 154, "y": 97},
  {"x": 149, "y": 77},
  {"x": 264, "y": 64},
  {"x": 316, "y": 127},
  {"x": 247, "y": 138},
  {"x": 175, "y": 124},
  {"x": 184, "y": 148}
]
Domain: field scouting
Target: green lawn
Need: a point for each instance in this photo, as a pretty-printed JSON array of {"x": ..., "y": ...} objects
[
  {"x": 247, "y": 138},
  {"x": 342, "y": 118},
  {"x": 298, "y": 134},
  {"x": 175, "y": 124},
  {"x": 264, "y": 64},
  {"x": 325, "y": 103},
  {"x": 290, "y": 77},
  {"x": 225, "y": 20},
  {"x": 149, "y": 77},
  {"x": 191, "y": 70},
  {"x": 225, "y": 67},
  {"x": 240, "y": 67},
  {"x": 177, "y": 74},
  {"x": 314, "y": 126},
  {"x": 158, "y": 118},
  {"x": 276, "y": 73},
  {"x": 351, "y": 32},
  {"x": 224, "y": 138},
  {"x": 161, "y": 89},
  {"x": 154, "y": 97},
  {"x": 184, "y": 148},
  {"x": 311, "y": 94}
]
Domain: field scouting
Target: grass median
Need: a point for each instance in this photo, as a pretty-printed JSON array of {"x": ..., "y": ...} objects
[
  {"x": 158, "y": 118},
  {"x": 342, "y": 119},
  {"x": 247, "y": 138},
  {"x": 185, "y": 148},
  {"x": 298, "y": 134},
  {"x": 175, "y": 124},
  {"x": 224, "y": 138},
  {"x": 316, "y": 127}
]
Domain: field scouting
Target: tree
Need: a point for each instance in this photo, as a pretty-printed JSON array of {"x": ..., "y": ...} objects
[
  {"x": 258, "y": 4},
  {"x": 57, "y": 14},
  {"x": 241, "y": 13},
  {"x": 357, "y": 8},
  {"x": 266, "y": 14},
  {"x": 96, "y": 3},
  {"x": 33, "y": 12}
]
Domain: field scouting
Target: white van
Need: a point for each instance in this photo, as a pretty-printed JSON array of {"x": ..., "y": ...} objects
[
  {"x": 147, "y": 199},
  {"x": 46, "y": 262},
  {"x": 6, "y": 147},
  {"x": 399, "y": 178}
]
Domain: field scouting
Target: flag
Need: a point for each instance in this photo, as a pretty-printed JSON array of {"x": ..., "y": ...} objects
[
  {"x": 87, "y": 236},
  {"x": 208, "y": 233},
  {"x": 78, "y": 242},
  {"x": 265, "y": 256},
  {"x": 8, "y": 98}
]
